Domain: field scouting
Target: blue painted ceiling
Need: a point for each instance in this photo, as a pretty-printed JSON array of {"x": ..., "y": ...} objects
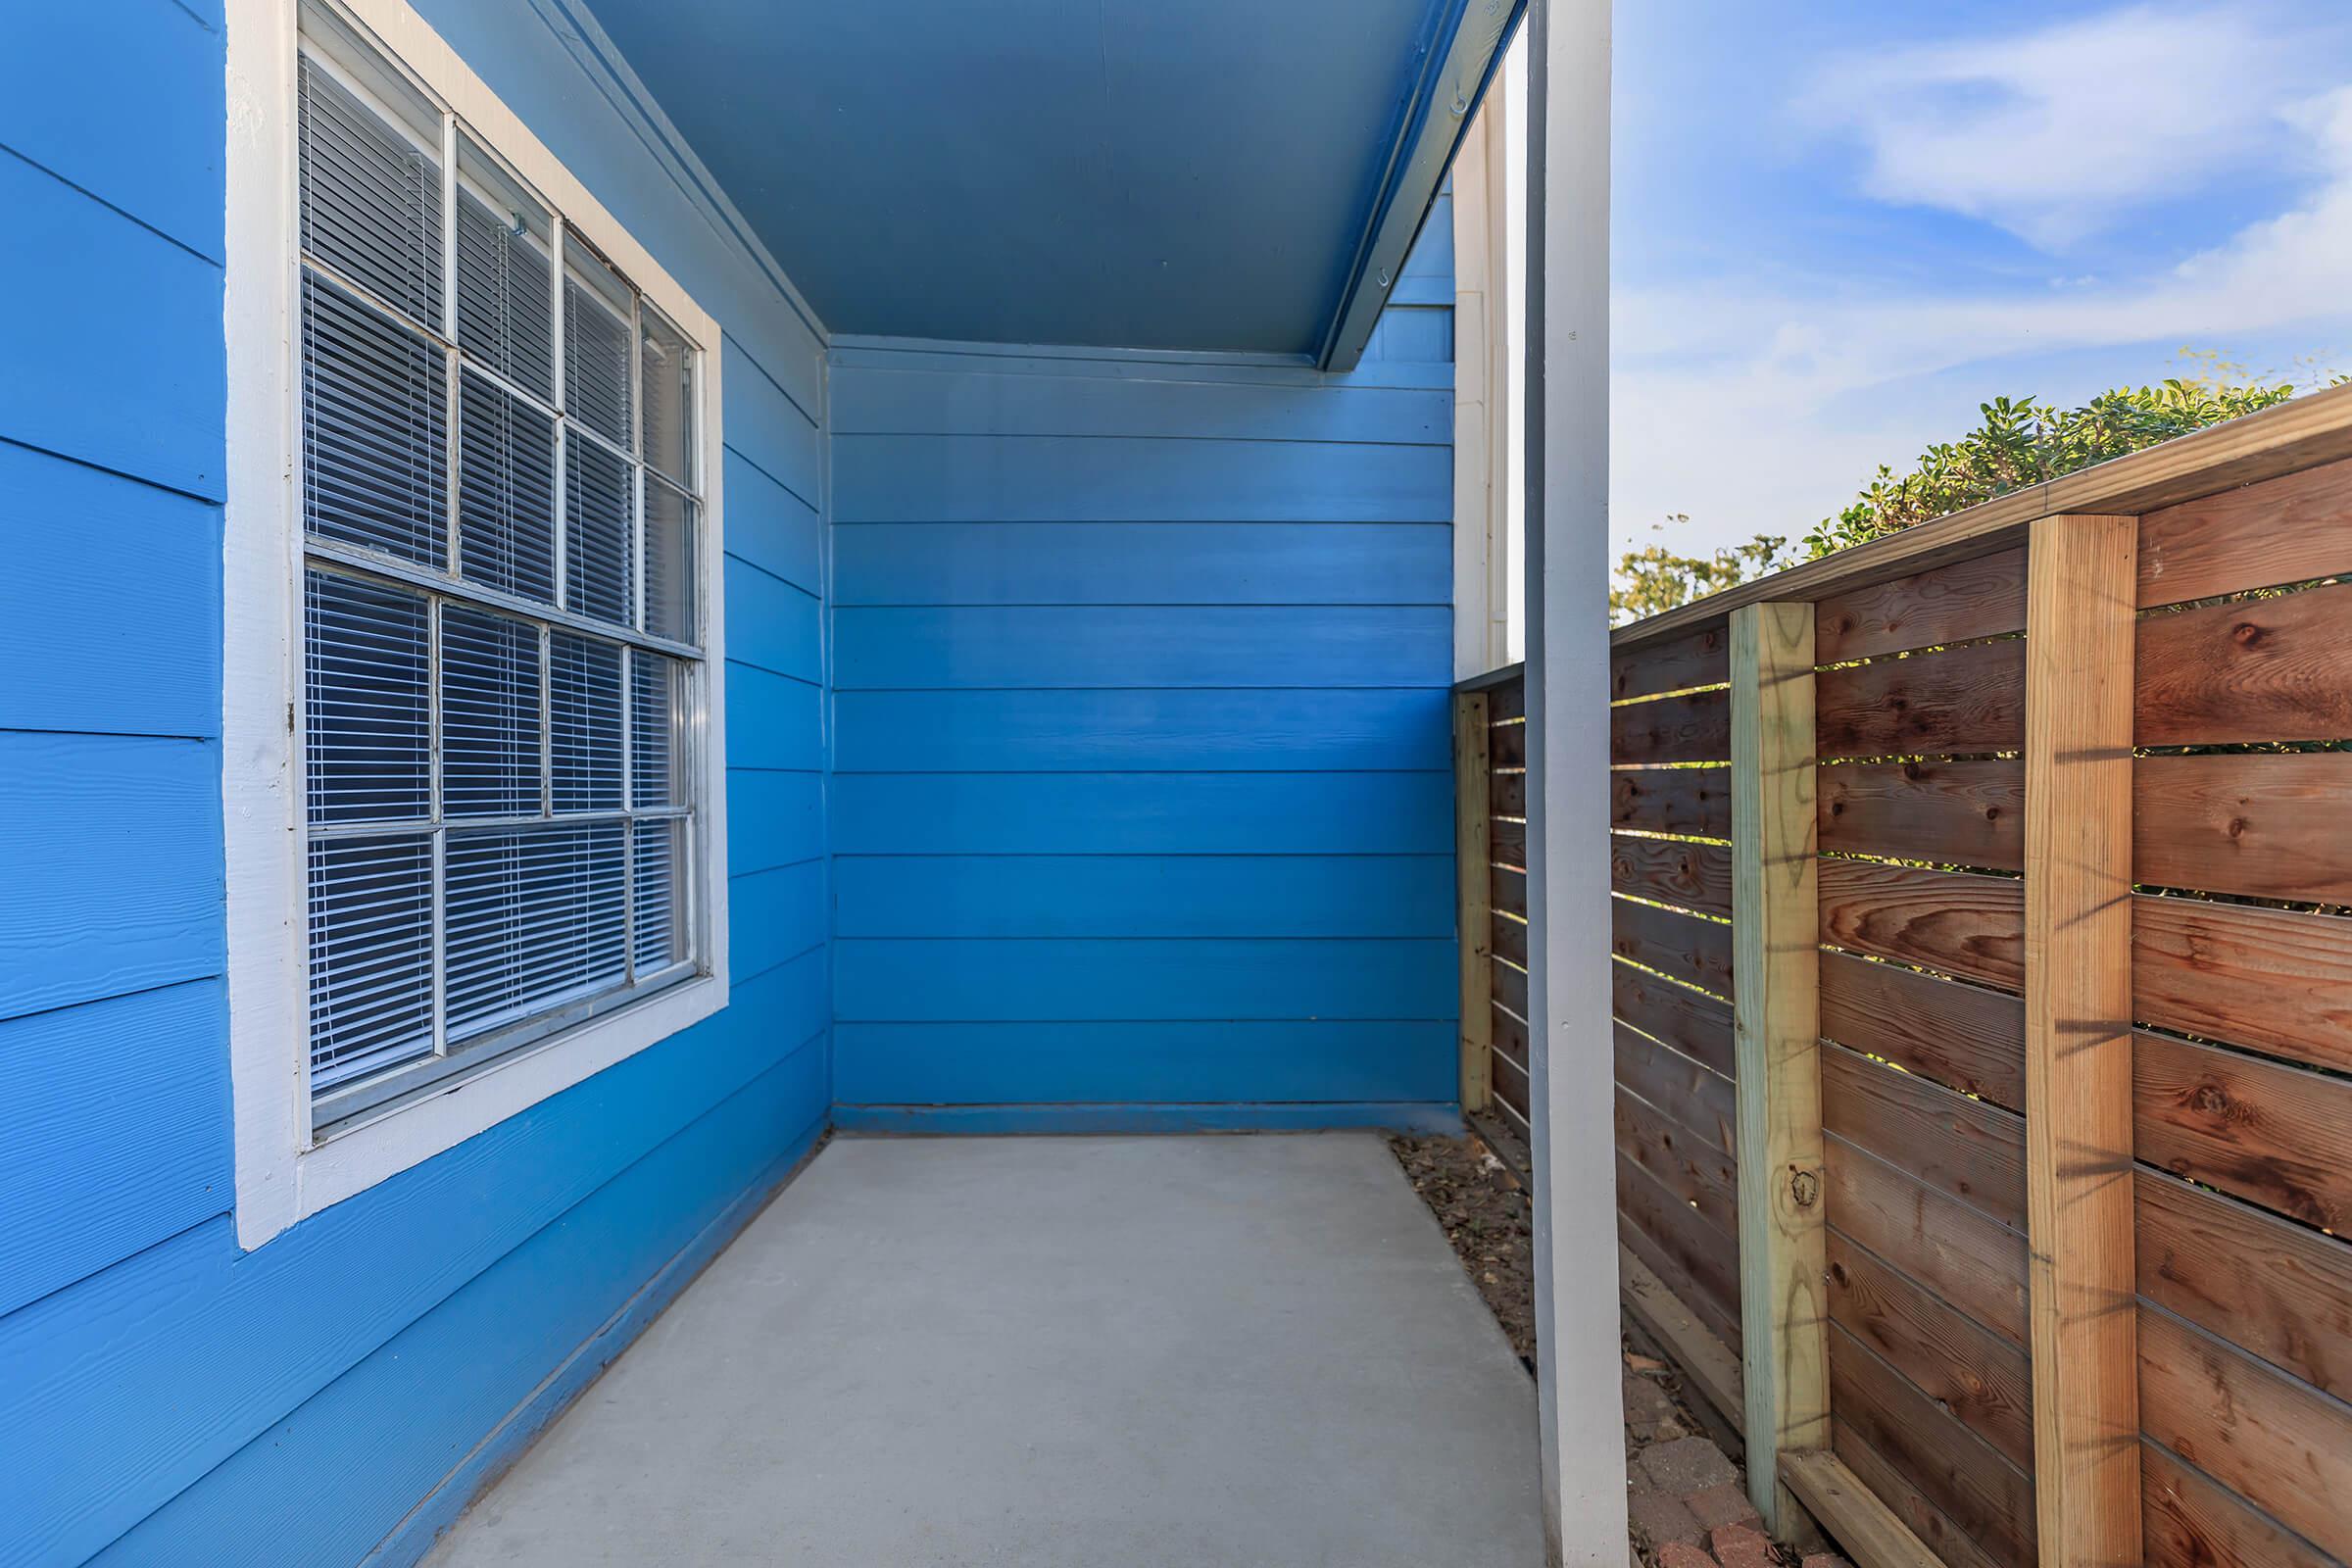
[{"x": 1141, "y": 174}]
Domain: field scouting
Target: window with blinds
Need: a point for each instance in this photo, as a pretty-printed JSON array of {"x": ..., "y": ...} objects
[{"x": 500, "y": 601}]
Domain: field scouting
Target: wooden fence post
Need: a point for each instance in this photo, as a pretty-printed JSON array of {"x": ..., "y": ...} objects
[
  {"x": 1776, "y": 965},
  {"x": 1472, "y": 855},
  {"x": 2080, "y": 636}
]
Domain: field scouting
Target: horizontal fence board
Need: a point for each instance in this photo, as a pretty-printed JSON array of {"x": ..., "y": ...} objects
[
  {"x": 1694, "y": 801},
  {"x": 2275, "y": 1441},
  {"x": 1971, "y": 1259},
  {"x": 1700, "y": 658},
  {"x": 1969, "y": 599},
  {"x": 2188, "y": 1521},
  {"x": 1961, "y": 699},
  {"x": 2275, "y": 1288},
  {"x": 1693, "y": 727},
  {"x": 1506, "y": 793},
  {"x": 1509, "y": 891},
  {"x": 1965, "y": 925},
  {"x": 1699, "y": 1098},
  {"x": 2257, "y": 670},
  {"x": 2272, "y": 1134},
  {"x": 1507, "y": 700},
  {"x": 1509, "y": 987},
  {"x": 1679, "y": 1283},
  {"x": 1696, "y": 1172},
  {"x": 1966, "y": 1477},
  {"x": 1506, "y": 938},
  {"x": 1934, "y": 1528},
  {"x": 1958, "y": 814},
  {"x": 1512, "y": 1085},
  {"x": 1511, "y": 1035},
  {"x": 1693, "y": 1022},
  {"x": 1676, "y": 871},
  {"x": 1962, "y": 1036},
  {"x": 1682, "y": 946},
  {"x": 1506, "y": 745},
  {"x": 1507, "y": 841},
  {"x": 1705, "y": 1255},
  {"x": 2267, "y": 825},
  {"x": 1974, "y": 1373},
  {"x": 2290, "y": 529},
  {"x": 1963, "y": 1146},
  {"x": 2275, "y": 980}
]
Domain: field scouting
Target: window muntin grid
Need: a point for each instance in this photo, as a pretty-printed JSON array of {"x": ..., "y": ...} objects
[{"x": 484, "y": 684}]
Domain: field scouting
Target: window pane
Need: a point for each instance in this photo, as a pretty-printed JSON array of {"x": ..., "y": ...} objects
[
  {"x": 596, "y": 350},
  {"x": 489, "y": 714},
  {"x": 506, "y": 277},
  {"x": 669, "y": 522},
  {"x": 375, "y": 429},
  {"x": 506, "y": 491},
  {"x": 370, "y": 197},
  {"x": 585, "y": 719},
  {"x": 367, "y": 729},
  {"x": 657, "y": 752},
  {"x": 659, "y": 939},
  {"x": 535, "y": 918},
  {"x": 668, "y": 391},
  {"x": 596, "y": 521},
  {"x": 372, "y": 954}
]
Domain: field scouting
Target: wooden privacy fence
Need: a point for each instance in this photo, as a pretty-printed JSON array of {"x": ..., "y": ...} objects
[{"x": 1983, "y": 1010}]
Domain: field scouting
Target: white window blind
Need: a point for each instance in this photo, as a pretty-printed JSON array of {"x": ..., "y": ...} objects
[{"x": 501, "y": 594}]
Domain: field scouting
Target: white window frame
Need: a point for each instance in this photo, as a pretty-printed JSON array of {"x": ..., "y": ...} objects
[{"x": 285, "y": 1169}]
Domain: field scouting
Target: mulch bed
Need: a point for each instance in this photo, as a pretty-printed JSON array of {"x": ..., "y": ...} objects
[{"x": 1485, "y": 1213}]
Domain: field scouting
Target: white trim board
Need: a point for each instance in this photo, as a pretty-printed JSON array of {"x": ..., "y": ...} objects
[{"x": 283, "y": 1174}]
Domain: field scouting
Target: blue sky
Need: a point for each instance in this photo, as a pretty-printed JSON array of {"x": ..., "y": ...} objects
[{"x": 1840, "y": 226}]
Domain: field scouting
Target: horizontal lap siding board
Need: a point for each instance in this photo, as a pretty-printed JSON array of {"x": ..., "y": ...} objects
[{"x": 1144, "y": 732}]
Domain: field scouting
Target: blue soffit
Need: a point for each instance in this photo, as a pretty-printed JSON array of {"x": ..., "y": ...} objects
[{"x": 1209, "y": 175}]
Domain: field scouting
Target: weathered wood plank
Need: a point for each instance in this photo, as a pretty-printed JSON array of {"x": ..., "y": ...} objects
[
  {"x": 1510, "y": 891},
  {"x": 1962, "y": 699},
  {"x": 1506, "y": 842},
  {"x": 1707, "y": 1257},
  {"x": 1506, "y": 793},
  {"x": 2255, "y": 669},
  {"x": 2274, "y": 1135},
  {"x": 1958, "y": 1034},
  {"x": 2188, "y": 1521},
  {"x": 1702, "y": 1101},
  {"x": 1507, "y": 700},
  {"x": 1928, "y": 1523},
  {"x": 1704, "y": 1359},
  {"x": 1693, "y": 1022},
  {"x": 1693, "y": 727},
  {"x": 1968, "y": 1258},
  {"x": 2266, "y": 826},
  {"x": 1777, "y": 1003},
  {"x": 2277, "y": 1442},
  {"x": 1511, "y": 1086},
  {"x": 1678, "y": 1282},
  {"x": 1694, "y": 801},
  {"x": 1510, "y": 1036},
  {"x": 1676, "y": 871},
  {"x": 1966, "y": 1477},
  {"x": 2275, "y": 1288},
  {"x": 1966, "y": 925},
  {"x": 1980, "y": 598},
  {"x": 1506, "y": 938},
  {"x": 2079, "y": 1036},
  {"x": 1474, "y": 926},
  {"x": 1700, "y": 658},
  {"x": 1682, "y": 946},
  {"x": 1698, "y": 1174},
  {"x": 1971, "y": 1371},
  {"x": 1957, "y": 814},
  {"x": 1506, "y": 745},
  {"x": 2276, "y": 980},
  {"x": 1870, "y": 1531},
  {"x": 1974, "y": 1150},
  {"x": 1509, "y": 987},
  {"x": 2290, "y": 529}
]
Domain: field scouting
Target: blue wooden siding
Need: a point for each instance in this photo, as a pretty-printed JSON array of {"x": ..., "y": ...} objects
[
  {"x": 164, "y": 1396},
  {"x": 1143, "y": 810}
]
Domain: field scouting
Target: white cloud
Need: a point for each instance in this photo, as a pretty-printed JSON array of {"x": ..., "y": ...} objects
[
  {"x": 2058, "y": 135},
  {"x": 1739, "y": 406}
]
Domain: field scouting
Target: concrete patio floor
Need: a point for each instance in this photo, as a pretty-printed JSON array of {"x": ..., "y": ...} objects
[{"x": 1103, "y": 1351}]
